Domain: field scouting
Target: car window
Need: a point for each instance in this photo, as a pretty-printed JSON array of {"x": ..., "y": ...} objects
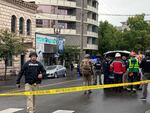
[
  {"x": 59, "y": 67},
  {"x": 51, "y": 67}
]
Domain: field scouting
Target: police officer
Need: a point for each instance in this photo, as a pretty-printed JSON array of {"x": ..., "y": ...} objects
[
  {"x": 97, "y": 67},
  {"x": 145, "y": 65},
  {"x": 33, "y": 72}
]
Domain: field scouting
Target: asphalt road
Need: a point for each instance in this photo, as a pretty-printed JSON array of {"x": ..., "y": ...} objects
[{"x": 99, "y": 101}]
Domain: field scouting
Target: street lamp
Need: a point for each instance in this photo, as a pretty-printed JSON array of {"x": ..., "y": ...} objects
[{"x": 57, "y": 31}]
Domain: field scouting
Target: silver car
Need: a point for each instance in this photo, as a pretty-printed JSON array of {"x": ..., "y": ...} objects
[{"x": 55, "y": 71}]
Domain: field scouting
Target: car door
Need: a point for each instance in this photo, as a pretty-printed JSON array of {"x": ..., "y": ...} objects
[{"x": 61, "y": 70}]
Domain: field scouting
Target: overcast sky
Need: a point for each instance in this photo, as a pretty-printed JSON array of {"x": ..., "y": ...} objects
[{"x": 122, "y": 7}]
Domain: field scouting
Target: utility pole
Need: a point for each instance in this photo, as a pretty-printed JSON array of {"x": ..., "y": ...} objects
[{"x": 82, "y": 29}]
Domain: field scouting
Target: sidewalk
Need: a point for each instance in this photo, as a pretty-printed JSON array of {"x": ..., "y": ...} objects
[{"x": 8, "y": 84}]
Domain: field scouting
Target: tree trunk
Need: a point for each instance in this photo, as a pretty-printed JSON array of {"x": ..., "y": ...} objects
[{"x": 5, "y": 76}]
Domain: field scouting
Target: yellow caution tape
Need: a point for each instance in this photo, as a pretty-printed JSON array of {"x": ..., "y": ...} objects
[{"x": 72, "y": 89}]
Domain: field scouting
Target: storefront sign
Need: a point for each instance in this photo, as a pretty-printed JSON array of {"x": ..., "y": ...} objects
[{"x": 43, "y": 39}]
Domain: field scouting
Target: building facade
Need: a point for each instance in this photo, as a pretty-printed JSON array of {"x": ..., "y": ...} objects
[
  {"x": 64, "y": 16},
  {"x": 19, "y": 17}
]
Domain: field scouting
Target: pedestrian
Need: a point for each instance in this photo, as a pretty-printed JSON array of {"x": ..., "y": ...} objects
[
  {"x": 105, "y": 69},
  {"x": 125, "y": 75},
  {"x": 71, "y": 69},
  {"x": 87, "y": 71},
  {"x": 33, "y": 72},
  {"x": 78, "y": 71},
  {"x": 133, "y": 71},
  {"x": 145, "y": 65},
  {"x": 98, "y": 71},
  {"x": 118, "y": 68}
]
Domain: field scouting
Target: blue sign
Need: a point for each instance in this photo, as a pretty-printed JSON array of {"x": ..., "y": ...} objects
[
  {"x": 60, "y": 43},
  {"x": 43, "y": 39}
]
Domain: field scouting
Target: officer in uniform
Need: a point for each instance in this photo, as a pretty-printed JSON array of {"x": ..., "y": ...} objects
[
  {"x": 97, "y": 67},
  {"x": 145, "y": 65}
]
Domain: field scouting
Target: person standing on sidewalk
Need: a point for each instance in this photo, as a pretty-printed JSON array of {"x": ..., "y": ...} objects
[
  {"x": 33, "y": 72},
  {"x": 145, "y": 65},
  {"x": 87, "y": 71}
]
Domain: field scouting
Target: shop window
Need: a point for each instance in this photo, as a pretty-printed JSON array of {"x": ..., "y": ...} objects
[
  {"x": 28, "y": 27},
  {"x": 21, "y": 25},
  {"x": 13, "y": 23}
]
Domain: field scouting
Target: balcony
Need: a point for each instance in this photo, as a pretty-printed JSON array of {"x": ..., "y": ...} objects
[
  {"x": 51, "y": 31},
  {"x": 92, "y": 47},
  {"x": 91, "y": 21},
  {"x": 92, "y": 34},
  {"x": 55, "y": 17},
  {"x": 57, "y": 3},
  {"x": 93, "y": 9}
]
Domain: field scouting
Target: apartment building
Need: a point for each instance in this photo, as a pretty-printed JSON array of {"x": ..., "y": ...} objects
[{"x": 64, "y": 16}]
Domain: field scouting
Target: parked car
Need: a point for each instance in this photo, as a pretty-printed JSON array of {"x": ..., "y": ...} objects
[{"x": 55, "y": 71}]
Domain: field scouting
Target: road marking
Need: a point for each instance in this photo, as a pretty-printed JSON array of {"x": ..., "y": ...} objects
[
  {"x": 11, "y": 110},
  {"x": 42, "y": 86},
  {"x": 64, "y": 111},
  {"x": 147, "y": 111}
]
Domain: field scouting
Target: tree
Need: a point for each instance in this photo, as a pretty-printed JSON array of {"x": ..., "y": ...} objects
[
  {"x": 70, "y": 54},
  {"x": 140, "y": 30},
  {"x": 136, "y": 38},
  {"x": 10, "y": 45},
  {"x": 108, "y": 37}
]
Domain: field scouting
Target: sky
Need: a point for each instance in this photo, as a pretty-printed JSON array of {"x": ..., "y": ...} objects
[{"x": 127, "y": 7}]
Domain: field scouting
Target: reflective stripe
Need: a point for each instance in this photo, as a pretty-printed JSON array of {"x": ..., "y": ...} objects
[{"x": 134, "y": 66}]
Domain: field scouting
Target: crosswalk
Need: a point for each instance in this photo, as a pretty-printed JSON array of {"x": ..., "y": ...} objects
[
  {"x": 64, "y": 111},
  {"x": 11, "y": 110},
  {"x": 14, "y": 110}
]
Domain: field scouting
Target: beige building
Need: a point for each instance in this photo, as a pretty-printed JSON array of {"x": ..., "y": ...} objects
[{"x": 19, "y": 17}]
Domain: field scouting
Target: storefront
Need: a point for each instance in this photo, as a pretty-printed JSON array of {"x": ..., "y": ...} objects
[{"x": 46, "y": 48}]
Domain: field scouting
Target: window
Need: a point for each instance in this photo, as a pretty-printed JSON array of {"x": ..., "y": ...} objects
[
  {"x": 39, "y": 23},
  {"x": 13, "y": 24},
  {"x": 94, "y": 4},
  {"x": 28, "y": 27},
  {"x": 94, "y": 40},
  {"x": 89, "y": 40},
  {"x": 21, "y": 25},
  {"x": 45, "y": 23},
  {"x": 47, "y": 9},
  {"x": 9, "y": 61}
]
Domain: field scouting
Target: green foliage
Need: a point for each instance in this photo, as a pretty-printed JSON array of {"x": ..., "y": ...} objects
[
  {"x": 137, "y": 38},
  {"x": 108, "y": 37},
  {"x": 10, "y": 44},
  {"x": 70, "y": 53}
]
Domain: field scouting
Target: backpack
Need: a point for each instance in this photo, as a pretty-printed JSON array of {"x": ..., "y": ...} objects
[{"x": 86, "y": 65}]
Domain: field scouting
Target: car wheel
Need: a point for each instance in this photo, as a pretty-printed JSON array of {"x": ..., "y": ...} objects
[
  {"x": 65, "y": 74},
  {"x": 55, "y": 75}
]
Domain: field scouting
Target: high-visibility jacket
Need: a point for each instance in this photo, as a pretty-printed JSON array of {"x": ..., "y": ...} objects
[{"x": 133, "y": 65}]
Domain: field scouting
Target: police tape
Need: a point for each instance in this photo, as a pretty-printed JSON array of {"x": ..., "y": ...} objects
[{"x": 72, "y": 89}]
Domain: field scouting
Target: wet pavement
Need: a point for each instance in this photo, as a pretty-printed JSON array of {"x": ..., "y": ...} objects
[{"x": 100, "y": 101}]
